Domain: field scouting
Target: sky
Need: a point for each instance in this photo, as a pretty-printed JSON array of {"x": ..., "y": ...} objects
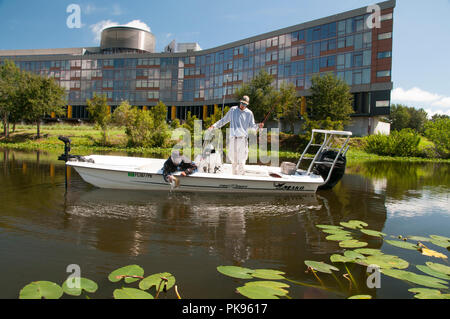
[{"x": 421, "y": 60}]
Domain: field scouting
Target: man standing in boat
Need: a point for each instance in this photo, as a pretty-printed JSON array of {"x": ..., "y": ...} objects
[{"x": 241, "y": 119}]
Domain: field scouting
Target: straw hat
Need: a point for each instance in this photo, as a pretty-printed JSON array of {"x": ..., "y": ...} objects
[{"x": 245, "y": 99}]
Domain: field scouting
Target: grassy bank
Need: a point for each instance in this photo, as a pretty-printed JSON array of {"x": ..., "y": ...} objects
[{"x": 86, "y": 140}]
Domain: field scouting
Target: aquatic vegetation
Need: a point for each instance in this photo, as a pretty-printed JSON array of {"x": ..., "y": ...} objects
[
  {"x": 75, "y": 286},
  {"x": 431, "y": 284}
]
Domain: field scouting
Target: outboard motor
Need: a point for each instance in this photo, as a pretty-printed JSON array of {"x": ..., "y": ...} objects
[{"x": 324, "y": 169}]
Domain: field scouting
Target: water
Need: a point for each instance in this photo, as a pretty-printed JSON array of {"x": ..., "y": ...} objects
[{"x": 43, "y": 229}]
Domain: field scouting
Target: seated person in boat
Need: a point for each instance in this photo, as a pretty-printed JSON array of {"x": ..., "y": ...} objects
[
  {"x": 241, "y": 119},
  {"x": 175, "y": 163}
]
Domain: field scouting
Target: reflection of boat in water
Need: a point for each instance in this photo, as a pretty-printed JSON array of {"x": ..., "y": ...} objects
[{"x": 115, "y": 172}]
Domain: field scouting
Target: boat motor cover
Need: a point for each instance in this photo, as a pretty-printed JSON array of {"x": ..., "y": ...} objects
[{"x": 324, "y": 169}]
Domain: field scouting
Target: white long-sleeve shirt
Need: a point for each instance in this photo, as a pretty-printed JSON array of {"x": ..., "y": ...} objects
[{"x": 240, "y": 121}]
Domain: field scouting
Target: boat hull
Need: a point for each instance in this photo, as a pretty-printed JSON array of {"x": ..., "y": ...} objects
[{"x": 147, "y": 177}]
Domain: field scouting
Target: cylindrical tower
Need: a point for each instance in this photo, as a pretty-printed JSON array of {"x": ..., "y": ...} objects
[{"x": 127, "y": 39}]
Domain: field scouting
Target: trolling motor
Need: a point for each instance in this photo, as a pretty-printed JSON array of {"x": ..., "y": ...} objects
[{"x": 65, "y": 157}]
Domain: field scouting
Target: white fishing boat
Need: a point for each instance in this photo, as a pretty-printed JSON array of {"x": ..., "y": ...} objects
[{"x": 326, "y": 168}]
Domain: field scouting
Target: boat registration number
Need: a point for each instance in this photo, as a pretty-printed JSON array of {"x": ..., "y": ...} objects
[{"x": 143, "y": 175}]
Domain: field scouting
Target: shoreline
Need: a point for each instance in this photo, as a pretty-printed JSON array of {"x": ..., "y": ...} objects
[{"x": 84, "y": 142}]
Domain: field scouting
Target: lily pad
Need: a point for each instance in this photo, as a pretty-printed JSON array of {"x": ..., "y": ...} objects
[
  {"x": 418, "y": 238},
  {"x": 368, "y": 251},
  {"x": 440, "y": 238},
  {"x": 85, "y": 284},
  {"x": 131, "y": 293},
  {"x": 268, "y": 274},
  {"x": 124, "y": 272},
  {"x": 424, "y": 293},
  {"x": 402, "y": 244},
  {"x": 263, "y": 290},
  {"x": 441, "y": 243},
  {"x": 432, "y": 253},
  {"x": 425, "y": 281},
  {"x": 354, "y": 255},
  {"x": 320, "y": 266},
  {"x": 373, "y": 233},
  {"x": 336, "y": 232},
  {"x": 352, "y": 244},
  {"x": 329, "y": 227},
  {"x": 439, "y": 268},
  {"x": 385, "y": 261},
  {"x": 341, "y": 259},
  {"x": 354, "y": 224},
  {"x": 41, "y": 290},
  {"x": 427, "y": 270},
  {"x": 339, "y": 237},
  {"x": 361, "y": 297},
  {"x": 155, "y": 280},
  {"x": 235, "y": 272}
]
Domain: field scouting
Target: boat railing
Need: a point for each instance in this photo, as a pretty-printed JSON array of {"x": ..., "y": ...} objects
[{"x": 327, "y": 145}]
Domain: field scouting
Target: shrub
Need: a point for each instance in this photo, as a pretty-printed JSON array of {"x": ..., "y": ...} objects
[
  {"x": 438, "y": 131},
  {"x": 404, "y": 143}
]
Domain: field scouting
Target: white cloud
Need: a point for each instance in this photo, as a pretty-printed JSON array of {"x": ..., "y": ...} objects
[
  {"x": 101, "y": 25},
  {"x": 416, "y": 97}
]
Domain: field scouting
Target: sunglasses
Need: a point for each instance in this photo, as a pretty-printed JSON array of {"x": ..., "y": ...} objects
[{"x": 244, "y": 104}]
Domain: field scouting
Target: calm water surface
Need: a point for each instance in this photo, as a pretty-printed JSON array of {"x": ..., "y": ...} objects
[{"x": 43, "y": 229}]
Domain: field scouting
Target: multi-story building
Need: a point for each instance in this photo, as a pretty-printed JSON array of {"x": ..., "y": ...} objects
[{"x": 125, "y": 67}]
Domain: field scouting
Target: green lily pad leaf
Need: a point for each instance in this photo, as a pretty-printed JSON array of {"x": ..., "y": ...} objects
[
  {"x": 368, "y": 251},
  {"x": 235, "y": 272},
  {"x": 132, "y": 270},
  {"x": 431, "y": 272},
  {"x": 402, "y": 244},
  {"x": 425, "y": 281},
  {"x": 354, "y": 224},
  {"x": 352, "y": 244},
  {"x": 338, "y": 237},
  {"x": 85, "y": 284},
  {"x": 424, "y": 293},
  {"x": 441, "y": 243},
  {"x": 329, "y": 227},
  {"x": 268, "y": 274},
  {"x": 440, "y": 238},
  {"x": 336, "y": 232},
  {"x": 255, "y": 292},
  {"x": 385, "y": 262},
  {"x": 341, "y": 259},
  {"x": 361, "y": 297},
  {"x": 156, "y": 280},
  {"x": 320, "y": 266},
  {"x": 41, "y": 290},
  {"x": 439, "y": 268},
  {"x": 373, "y": 233},
  {"x": 131, "y": 293},
  {"x": 278, "y": 286},
  {"x": 418, "y": 238},
  {"x": 353, "y": 255}
]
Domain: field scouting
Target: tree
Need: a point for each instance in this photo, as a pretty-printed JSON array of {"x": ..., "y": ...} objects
[
  {"x": 289, "y": 104},
  {"x": 331, "y": 98},
  {"x": 262, "y": 94},
  {"x": 41, "y": 97},
  {"x": 438, "y": 131},
  {"x": 399, "y": 117},
  {"x": 10, "y": 86},
  {"x": 122, "y": 114},
  {"x": 100, "y": 112},
  {"x": 402, "y": 117}
]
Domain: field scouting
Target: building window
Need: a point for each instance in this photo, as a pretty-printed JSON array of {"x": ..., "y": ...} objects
[
  {"x": 384, "y": 55},
  {"x": 385, "y": 17},
  {"x": 381, "y": 74},
  {"x": 382, "y": 104},
  {"x": 384, "y": 36}
]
